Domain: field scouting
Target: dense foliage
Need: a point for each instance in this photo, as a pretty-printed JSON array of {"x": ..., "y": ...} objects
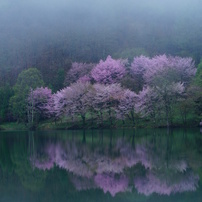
[
  {"x": 168, "y": 93},
  {"x": 27, "y": 80},
  {"x": 163, "y": 90},
  {"x": 5, "y": 94}
]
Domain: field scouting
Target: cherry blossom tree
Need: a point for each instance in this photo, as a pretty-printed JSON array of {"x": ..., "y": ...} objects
[
  {"x": 167, "y": 78},
  {"x": 73, "y": 101},
  {"x": 168, "y": 97},
  {"x": 126, "y": 107},
  {"x": 109, "y": 71},
  {"x": 40, "y": 103},
  {"x": 101, "y": 101},
  {"x": 84, "y": 79},
  {"x": 161, "y": 79},
  {"x": 148, "y": 103},
  {"x": 77, "y": 71},
  {"x": 138, "y": 67},
  {"x": 105, "y": 99},
  {"x": 163, "y": 68},
  {"x": 79, "y": 99},
  {"x": 158, "y": 101},
  {"x": 60, "y": 102}
]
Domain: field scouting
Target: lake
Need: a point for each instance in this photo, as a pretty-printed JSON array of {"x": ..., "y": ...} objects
[{"x": 122, "y": 165}]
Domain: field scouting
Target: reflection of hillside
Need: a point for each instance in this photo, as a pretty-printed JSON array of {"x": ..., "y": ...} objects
[{"x": 161, "y": 172}]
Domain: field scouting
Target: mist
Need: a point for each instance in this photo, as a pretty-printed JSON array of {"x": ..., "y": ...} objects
[{"x": 51, "y": 34}]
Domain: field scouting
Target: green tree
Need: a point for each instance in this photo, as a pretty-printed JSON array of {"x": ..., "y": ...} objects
[
  {"x": 59, "y": 80},
  {"x": 198, "y": 77},
  {"x": 198, "y": 98},
  {"x": 5, "y": 93},
  {"x": 27, "y": 80}
]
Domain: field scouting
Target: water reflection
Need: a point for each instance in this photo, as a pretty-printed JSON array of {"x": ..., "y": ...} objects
[{"x": 117, "y": 164}]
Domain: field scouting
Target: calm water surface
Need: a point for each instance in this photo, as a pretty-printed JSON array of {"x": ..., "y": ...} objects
[{"x": 108, "y": 165}]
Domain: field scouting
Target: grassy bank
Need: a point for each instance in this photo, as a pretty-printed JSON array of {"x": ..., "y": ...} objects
[
  {"x": 13, "y": 126},
  {"x": 67, "y": 124}
]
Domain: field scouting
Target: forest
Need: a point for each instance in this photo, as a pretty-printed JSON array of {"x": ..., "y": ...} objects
[{"x": 101, "y": 64}]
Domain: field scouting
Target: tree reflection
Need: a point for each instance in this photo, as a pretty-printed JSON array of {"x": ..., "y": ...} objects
[
  {"x": 166, "y": 183},
  {"x": 112, "y": 170},
  {"x": 112, "y": 183}
]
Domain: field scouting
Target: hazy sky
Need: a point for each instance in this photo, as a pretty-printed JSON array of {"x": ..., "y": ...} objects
[
  {"x": 81, "y": 9},
  {"x": 27, "y": 22}
]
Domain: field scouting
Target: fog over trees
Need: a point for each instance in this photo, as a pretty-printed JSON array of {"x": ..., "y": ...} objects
[
  {"x": 96, "y": 57},
  {"x": 50, "y": 35}
]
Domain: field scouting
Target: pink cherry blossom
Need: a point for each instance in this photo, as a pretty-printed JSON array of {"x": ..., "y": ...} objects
[{"x": 109, "y": 71}]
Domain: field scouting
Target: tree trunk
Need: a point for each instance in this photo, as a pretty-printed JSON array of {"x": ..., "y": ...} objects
[
  {"x": 84, "y": 120},
  {"x": 133, "y": 118}
]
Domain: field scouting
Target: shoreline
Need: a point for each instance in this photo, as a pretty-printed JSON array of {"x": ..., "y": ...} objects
[{"x": 14, "y": 126}]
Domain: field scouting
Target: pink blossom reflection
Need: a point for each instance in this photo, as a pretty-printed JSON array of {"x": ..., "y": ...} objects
[
  {"x": 144, "y": 167},
  {"x": 112, "y": 183},
  {"x": 163, "y": 184}
]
